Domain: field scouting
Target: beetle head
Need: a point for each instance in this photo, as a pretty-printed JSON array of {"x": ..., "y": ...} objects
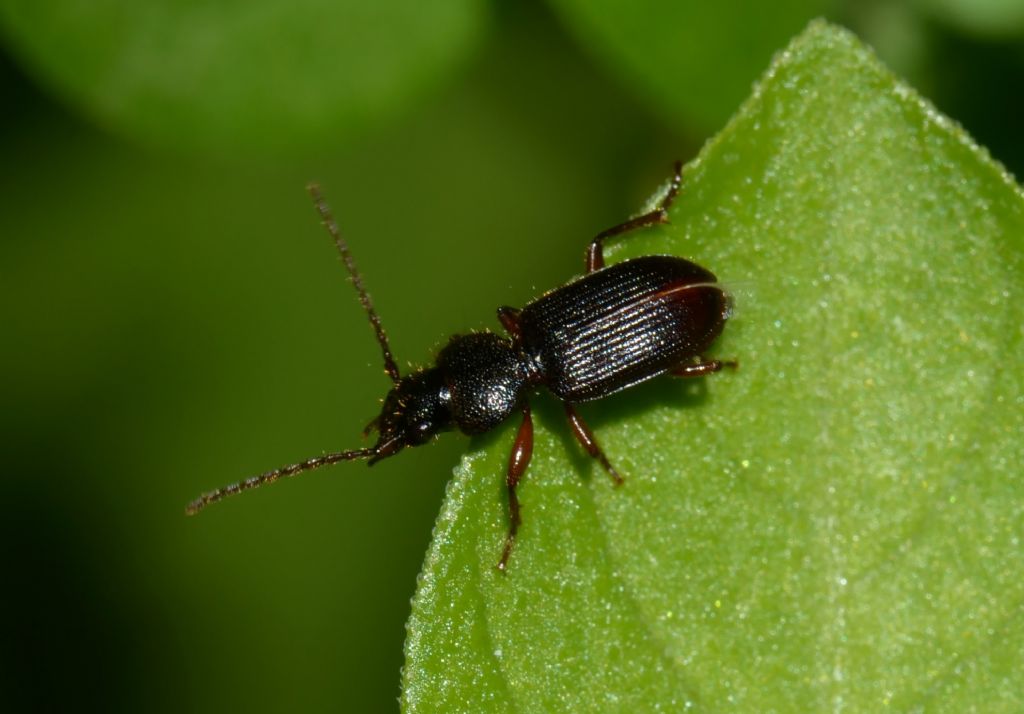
[{"x": 414, "y": 411}]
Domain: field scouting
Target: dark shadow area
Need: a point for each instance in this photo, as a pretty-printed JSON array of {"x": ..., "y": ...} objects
[
  {"x": 662, "y": 391},
  {"x": 978, "y": 83},
  {"x": 74, "y": 639}
]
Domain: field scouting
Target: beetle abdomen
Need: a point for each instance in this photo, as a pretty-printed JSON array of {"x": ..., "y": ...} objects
[{"x": 622, "y": 325}]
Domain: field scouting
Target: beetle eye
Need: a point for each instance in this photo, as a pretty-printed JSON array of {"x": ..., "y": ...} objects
[{"x": 420, "y": 432}]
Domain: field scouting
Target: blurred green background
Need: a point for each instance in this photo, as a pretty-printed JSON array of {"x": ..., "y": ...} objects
[{"x": 174, "y": 318}]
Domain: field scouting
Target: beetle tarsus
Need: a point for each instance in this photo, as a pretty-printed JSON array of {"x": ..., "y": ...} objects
[
  {"x": 705, "y": 366},
  {"x": 595, "y": 251}
]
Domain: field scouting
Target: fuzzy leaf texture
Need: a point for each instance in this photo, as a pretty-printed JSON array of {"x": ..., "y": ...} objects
[{"x": 836, "y": 525}]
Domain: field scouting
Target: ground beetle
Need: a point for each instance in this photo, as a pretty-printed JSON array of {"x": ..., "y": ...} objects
[{"x": 610, "y": 329}]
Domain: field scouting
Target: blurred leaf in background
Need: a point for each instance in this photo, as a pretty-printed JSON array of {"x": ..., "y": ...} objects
[
  {"x": 993, "y": 18},
  {"x": 259, "y": 73},
  {"x": 174, "y": 318},
  {"x": 697, "y": 60}
]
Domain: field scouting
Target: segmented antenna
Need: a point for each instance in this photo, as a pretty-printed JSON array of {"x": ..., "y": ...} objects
[
  {"x": 270, "y": 476},
  {"x": 350, "y": 265}
]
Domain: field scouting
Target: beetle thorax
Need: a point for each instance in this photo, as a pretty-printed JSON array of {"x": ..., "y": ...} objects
[{"x": 485, "y": 377}]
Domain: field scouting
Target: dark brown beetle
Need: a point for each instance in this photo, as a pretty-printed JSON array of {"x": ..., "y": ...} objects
[{"x": 612, "y": 328}]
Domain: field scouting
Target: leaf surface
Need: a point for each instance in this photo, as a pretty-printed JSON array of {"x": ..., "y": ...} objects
[{"x": 836, "y": 525}]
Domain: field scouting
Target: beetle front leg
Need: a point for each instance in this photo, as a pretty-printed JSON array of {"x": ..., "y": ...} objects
[
  {"x": 595, "y": 251},
  {"x": 509, "y": 319},
  {"x": 586, "y": 437},
  {"x": 522, "y": 450},
  {"x": 705, "y": 366}
]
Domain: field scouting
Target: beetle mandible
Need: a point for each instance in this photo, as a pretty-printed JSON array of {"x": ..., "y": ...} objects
[{"x": 610, "y": 329}]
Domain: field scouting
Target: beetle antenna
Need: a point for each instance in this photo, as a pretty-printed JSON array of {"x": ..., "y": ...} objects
[
  {"x": 270, "y": 476},
  {"x": 350, "y": 265}
]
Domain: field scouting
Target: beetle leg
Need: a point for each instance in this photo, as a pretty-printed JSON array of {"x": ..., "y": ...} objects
[
  {"x": 705, "y": 366},
  {"x": 522, "y": 450},
  {"x": 595, "y": 251},
  {"x": 509, "y": 318},
  {"x": 586, "y": 437},
  {"x": 371, "y": 427}
]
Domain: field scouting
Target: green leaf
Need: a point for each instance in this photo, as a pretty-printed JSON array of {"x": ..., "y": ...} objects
[
  {"x": 694, "y": 60},
  {"x": 253, "y": 75},
  {"x": 993, "y": 18},
  {"x": 836, "y": 525}
]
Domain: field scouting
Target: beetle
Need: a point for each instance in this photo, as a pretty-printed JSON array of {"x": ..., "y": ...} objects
[{"x": 612, "y": 328}]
